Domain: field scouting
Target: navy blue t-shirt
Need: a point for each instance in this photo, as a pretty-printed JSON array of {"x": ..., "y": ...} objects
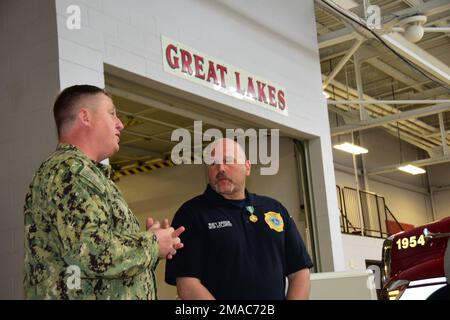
[{"x": 233, "y": 256}]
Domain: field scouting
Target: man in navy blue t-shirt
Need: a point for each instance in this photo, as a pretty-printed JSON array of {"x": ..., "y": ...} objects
[{"x": 237, "y": 245}]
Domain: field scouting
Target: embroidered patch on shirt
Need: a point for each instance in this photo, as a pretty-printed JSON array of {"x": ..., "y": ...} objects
[
  {"x": 219, "y": 224},
  {"x": 274, "y": 220}
]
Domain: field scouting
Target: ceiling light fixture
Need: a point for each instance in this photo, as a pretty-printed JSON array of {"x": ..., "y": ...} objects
[
  {"x": 411, "y": 169},
  {"x": 350, "y": 148}
]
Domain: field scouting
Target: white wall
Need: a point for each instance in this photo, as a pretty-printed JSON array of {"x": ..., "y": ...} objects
[
  {"x": 128, "y": 35},
  {"x": 328, "y": 286},
  {"x": 406, "y": 195},
  {"x": 442, "y": 204},
  {"x": 384, "y": 149},
  {"x": 358, "y": 249},
  {"x": 407, "y": 206},
  {"x": 439, "y": 176},
  {"x": 28, "y": 85}
]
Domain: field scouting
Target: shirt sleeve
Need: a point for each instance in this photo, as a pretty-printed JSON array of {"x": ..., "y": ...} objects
[
  {"x": 189, "y": 261},
  {"x": 297, "y": 257},
  {"x": 88, "y": 237}
]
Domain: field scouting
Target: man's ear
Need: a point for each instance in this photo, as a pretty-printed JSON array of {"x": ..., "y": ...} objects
[
  {"x": 248, "y": 167},
  {"x": 84, "y": 116}
]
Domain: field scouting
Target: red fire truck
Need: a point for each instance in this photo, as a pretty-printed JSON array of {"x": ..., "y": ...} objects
[{"x": 417, "y": 263}]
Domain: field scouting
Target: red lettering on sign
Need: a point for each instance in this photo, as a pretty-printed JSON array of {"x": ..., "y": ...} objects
[
  {"x": 281, "y": 101},
  {"x": 198, "y": 62},
  {"x": 172, "y": 61},
  {"x": 261, "y": 93},
  {"x": 251, "y": 89},
  {"x": 272, "y": 100},
  {"x": 212, "y": 73},
  {"x": 222, "y": 70},
  {"x": 186, "y": 60},
  {"x": 238, "y": 83}
]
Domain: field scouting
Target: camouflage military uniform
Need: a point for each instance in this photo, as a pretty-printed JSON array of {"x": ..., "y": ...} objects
[{"x": 76, "y": 220}]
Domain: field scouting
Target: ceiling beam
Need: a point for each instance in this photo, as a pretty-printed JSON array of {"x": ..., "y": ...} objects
[
  {"x": 424, "y": 95},
  {"x": 371, "y": 58},
  {"x": 146, "y": 136},
  {"x": 399, "y": 44},
  {"x": 418, "y": 56},
  {"x": 403, "y": 185},
  {"x": 189, "y": 128},
  {"x": 394, "y": 73},
  {"x": 427, "y": 8},
  {"x": 368, "y": 51},
  {"x": 174, "y": 107},
  {"x": 412, "y": 130},
  {"x": 335, "y": 37},
  {"x": 376, "y": 122},
  {"x": 342, "y": 63},
  {"x": 417, "y": 163},
  {"x": 321, "y": 29},
  {"x": 436, "y": 134},
  {"x": 413, "y": 3},
  {"x": 161, "y": 123},
  {"x": 386, "y": 101}
]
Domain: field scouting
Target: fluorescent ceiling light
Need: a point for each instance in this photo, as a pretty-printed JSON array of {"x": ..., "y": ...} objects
[
  {"x": 411, "y": 169},
  {"x": 350, "y": 148}
]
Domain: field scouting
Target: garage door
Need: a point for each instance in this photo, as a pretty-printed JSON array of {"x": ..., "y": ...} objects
[{"x": 154, "y": 186}]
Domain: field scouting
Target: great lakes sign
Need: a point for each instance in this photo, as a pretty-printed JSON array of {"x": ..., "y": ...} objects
[{"x": 193, "y": 65}]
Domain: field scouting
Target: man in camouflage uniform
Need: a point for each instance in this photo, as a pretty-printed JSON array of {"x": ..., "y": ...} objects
[{"x": 81, "y": 239}]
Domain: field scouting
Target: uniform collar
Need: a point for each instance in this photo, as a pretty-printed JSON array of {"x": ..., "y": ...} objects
[
  {"x": 217, "y": 199},
  {"x": 105, "y": 169},
  {"x": 71, "y": 147}
]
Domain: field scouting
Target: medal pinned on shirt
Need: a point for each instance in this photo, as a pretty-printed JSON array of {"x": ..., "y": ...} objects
[{"x": 253, "y": 218}]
